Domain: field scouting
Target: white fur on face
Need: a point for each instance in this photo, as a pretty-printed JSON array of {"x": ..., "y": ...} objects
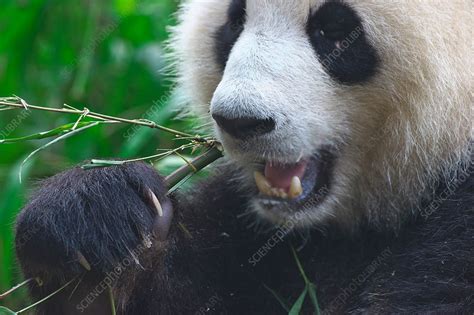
[
  {"x": 261, "y": 81},
  {"x": 395, "y": 134}
]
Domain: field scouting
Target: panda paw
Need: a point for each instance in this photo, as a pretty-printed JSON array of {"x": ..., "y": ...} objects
[{"x": 91, "y": 220}]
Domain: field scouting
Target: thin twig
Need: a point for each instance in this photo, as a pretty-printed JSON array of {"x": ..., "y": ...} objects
[
  {"x": 45, "y": 298},
  {"x": 17, "y": 102},
  {"x": 5, "y": 294},
  {"x": 186, "y": 161},
  {"x": 94, "y": 163}
]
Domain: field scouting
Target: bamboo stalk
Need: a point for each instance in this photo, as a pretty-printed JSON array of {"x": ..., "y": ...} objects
[{"x": 194, "y": 166}]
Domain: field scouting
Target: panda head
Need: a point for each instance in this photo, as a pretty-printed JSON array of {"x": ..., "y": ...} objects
[{"x": 337, "y": 111}]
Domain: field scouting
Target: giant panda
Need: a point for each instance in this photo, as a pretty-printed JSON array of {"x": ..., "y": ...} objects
[{"x": 348, "y": 136}]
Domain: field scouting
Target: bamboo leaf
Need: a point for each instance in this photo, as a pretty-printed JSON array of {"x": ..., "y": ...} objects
[
  {"x": 296, "y": 308},
  {"x": 65, "y": 136},
  {"x": 47, "y": 134},
  {"x": 6, "y": 311}
]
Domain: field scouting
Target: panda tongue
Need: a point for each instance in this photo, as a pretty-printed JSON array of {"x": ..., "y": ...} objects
[{"x": 280, "y": 175}]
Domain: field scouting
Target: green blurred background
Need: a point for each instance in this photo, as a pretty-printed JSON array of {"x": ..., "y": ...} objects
[{"x": 106, "y": 55}]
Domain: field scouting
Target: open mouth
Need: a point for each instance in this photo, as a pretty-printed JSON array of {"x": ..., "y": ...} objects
[{"x": 293, "y": 184}]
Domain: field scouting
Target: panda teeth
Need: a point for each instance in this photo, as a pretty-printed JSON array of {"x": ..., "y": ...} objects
[
  {"x": 278, "y": 192},
  {"x": 296, "y": 189},
  {"x": 263, "y": 184},
  {"x": 300, "y": 157},
  {"x": 266, "y": 188}
]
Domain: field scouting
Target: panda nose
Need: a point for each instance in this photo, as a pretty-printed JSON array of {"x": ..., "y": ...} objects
[{"x": 245, "y": 127}]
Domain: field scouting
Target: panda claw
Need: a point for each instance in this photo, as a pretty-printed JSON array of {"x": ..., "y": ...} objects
[
  {"x": 83, "y": 261},
  {"x": 156, "y": 202}
]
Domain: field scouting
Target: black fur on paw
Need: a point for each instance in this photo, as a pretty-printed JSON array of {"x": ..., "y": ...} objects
[{"x": 91, "y": 219}]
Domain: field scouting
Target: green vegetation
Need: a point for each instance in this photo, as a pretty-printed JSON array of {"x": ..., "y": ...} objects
[{"x": 107, "y": 56}]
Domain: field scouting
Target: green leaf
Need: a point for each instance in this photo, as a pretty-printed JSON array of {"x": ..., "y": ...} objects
[
  {"x": 313, "y": 297},
  {"x": 112, "y": 301},
  {"x": 296, "y": 308},
  {"x": 310, "y": 287},
  {"x": 64, "y": 136},
  {"x": 48, "y": 134},
  {"x": 6, "y": 311},
  {"x": 300, "y": 267}
]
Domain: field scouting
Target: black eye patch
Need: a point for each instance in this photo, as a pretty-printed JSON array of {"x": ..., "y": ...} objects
[
  {"x": 337, "y": 35},
  {"x": 227, "y": 34}
]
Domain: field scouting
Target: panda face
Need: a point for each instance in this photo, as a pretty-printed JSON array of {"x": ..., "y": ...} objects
[
  {"x": 279, "y": 108},
  {"x": 313, "y": 100}
]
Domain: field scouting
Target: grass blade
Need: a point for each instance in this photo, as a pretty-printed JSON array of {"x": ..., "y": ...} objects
[
  {"x": 310, "y": 287},
  {"x": 313, "y": 297},
  {"x": 300, "y": 267},
  {"x": 296, "y": 308},
  {"x": 112, "y": 301}
]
